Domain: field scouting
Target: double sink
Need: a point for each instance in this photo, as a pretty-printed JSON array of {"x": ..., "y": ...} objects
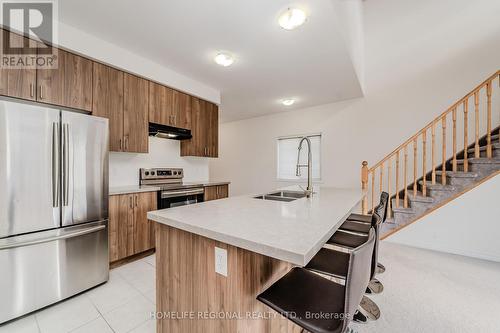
[{"x": 285, "y": 196}]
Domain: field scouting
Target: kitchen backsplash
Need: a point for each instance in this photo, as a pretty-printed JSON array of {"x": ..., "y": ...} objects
[{"x": 124, "y": 167}]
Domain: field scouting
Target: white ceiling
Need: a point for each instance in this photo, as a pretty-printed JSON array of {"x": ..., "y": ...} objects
[{"x": 311, "y": 63}]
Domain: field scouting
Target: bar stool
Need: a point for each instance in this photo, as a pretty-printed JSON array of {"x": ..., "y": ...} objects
[
  {"x": 317, "y": 304},
  {"x": 358, "y": 223},
  {"x": 330, "y": 262}
]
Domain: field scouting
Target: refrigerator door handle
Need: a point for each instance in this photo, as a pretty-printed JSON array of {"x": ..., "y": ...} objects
[
  {"x": 65, "y": 161},
  {"x": 55, "y": 164},
  {"x": 53, "y": 238}
]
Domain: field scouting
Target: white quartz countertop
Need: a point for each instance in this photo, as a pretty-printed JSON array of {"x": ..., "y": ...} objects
[
  {"x": 291, "y": 231},
  {"x": 115, "y": 190}
]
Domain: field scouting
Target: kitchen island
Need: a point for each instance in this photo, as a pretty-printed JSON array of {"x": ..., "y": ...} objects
[{"x": 263, "y": 239}]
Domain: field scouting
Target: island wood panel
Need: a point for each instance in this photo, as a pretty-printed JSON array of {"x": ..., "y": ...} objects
[
  {"x": 135, "y": 111},
  {"x": 19, "y": 83},
  {"x": 70, "y": 84},
  {"x": 107, "y": 101},
  {"x": 186, "y": 282},
  {"x": 144, "y": 229}
]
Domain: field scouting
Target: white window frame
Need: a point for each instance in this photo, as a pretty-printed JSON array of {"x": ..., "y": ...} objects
[{"x": 298, "y": 136}]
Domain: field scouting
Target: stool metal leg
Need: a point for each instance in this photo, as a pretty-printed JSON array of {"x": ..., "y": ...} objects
[
  {"x": 369, "y": 308},
  {"x": 380, "y": 268},
  {"x": 360, "y": 318},
  {"x": 374, "y": 287}
]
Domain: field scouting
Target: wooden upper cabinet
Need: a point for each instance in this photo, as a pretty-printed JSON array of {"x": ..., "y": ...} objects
[
  {"x": 69, "y": 85},
  {"x": 107, "y": 101},
  {"x": 19, "y": 83},
  {"x": 204, "y": 128},
  {"x": 182, "y": 109},
  {"x": 169, "y": 107},
  {"x": 213, "y": 130},
  {"x": 135, "y": 113},
  {"x": 161, "y": 109}
]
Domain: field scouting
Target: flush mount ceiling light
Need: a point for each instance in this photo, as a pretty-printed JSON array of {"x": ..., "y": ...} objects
[
  {"x": 224, "y": 59},
  {"x": 292, "y": 18},
  {"x": 288, "y": 102}
]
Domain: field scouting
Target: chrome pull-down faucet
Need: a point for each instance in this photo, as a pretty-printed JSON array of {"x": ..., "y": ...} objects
[{"x": 309, "y": 188}]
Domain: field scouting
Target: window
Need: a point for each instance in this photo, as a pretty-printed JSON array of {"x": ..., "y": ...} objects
[{"x": 287, "y": 157}]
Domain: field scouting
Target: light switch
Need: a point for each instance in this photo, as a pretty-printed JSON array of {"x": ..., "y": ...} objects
[{"x": 221, "y": 261}]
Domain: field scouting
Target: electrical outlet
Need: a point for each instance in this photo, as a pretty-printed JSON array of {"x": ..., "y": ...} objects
[{"x": 221, "y": 261}]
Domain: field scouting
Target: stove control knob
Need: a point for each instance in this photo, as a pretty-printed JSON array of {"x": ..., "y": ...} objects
[
  {"x": 147, "y": 173},
  {"x": 152, "y": 173}
]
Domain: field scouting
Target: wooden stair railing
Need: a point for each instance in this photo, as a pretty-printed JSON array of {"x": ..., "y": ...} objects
[{"x": 480, "y": 100}]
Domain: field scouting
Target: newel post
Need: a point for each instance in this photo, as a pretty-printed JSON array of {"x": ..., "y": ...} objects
[{"x": 364, "y": 186}]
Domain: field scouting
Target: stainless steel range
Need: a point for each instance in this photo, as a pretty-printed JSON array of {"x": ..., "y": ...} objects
[{"x": 174, "y": 192}]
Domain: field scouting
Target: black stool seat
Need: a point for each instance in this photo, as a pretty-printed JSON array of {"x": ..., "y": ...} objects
[
  {"x": 301, "y": 291},
  {"x": 330, "y": 262},
  {"x": 346, "y": 239},
  {"x": 356, "y": 227},
  {"x": 360, "y": 218}
]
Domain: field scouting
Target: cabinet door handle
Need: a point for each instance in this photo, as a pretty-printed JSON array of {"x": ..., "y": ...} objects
[
  {"x": 130, "y": 202},
  {"x": 136, "y": 200},
  {"x": 217, "y": 191},
  {"x": 32, "y": 90},
  {"x": 121, "y": 144},
  {"x": 41, "y": 92}
]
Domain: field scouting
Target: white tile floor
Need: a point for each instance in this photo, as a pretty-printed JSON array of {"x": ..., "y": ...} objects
[
  {"x": 425, "y": 291},
  {"x": 122, "y": 305}
]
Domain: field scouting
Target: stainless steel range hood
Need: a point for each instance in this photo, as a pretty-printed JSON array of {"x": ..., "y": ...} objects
[{"x": 169, "y": 132}]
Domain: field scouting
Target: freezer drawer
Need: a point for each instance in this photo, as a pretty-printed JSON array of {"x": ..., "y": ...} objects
[{"x": 46, "y": 267}]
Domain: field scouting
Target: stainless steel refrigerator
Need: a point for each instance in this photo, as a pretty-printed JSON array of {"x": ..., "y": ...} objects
[{"x": 53, "y": 206}]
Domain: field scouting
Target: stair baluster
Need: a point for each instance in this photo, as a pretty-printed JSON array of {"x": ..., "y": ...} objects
[
  {"x": 466, "y": 139},
  {"x": 488, "y": 129},
  {"x": 476, "y": 118},
  {"x": 397, "y": 179},
  {"x": 424, "y": 162},
  {"x": 433, "y": 153},
  {"x": 443, "y": 168},
  {"x": 454, "y": 118},
  {"x": 415, "y": 172}
]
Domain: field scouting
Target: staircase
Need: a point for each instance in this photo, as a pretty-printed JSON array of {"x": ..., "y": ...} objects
[{"x": 455, "y": 152}]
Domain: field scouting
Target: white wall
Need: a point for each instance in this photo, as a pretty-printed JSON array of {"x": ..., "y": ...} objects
[
  {"x": 420, "y": 57},
  {"x": 468, "y": 225},
  {"x": 124, "y": 167}
]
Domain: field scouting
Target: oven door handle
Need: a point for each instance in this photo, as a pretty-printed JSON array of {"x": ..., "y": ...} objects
[{"x": 174, "y": 194}]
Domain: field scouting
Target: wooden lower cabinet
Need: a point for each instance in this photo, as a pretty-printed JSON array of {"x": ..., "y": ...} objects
[
  {"x": 130, "y": 232},
  {"x": 215, "y": 192}
]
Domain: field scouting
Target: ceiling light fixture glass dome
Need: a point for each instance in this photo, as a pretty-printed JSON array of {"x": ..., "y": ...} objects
[
  {"x": 224, "y": 59},
  {"x": 288, "y": 102},
  {"x": 292, "y": 18}
]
